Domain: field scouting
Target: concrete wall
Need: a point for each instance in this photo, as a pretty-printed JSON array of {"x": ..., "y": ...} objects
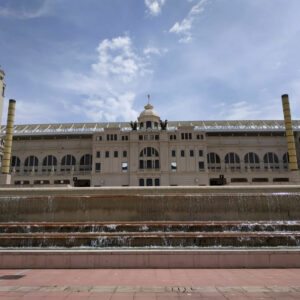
[{"x": 202, "y": 204}]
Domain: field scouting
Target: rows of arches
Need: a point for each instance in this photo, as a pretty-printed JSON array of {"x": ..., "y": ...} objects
[
  {"x": 251, "y": 160},
  {"x": 50, "y": 163}
]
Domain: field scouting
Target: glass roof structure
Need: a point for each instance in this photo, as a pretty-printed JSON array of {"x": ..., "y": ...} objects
[{"x": 90, "y": 128}]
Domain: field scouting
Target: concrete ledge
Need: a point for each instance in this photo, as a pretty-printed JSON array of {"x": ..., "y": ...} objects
[
  {"x": 143, "y": 259},
  {"x": 157, "y": 190}
]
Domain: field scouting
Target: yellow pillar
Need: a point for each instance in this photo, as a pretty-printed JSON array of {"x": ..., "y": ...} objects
[
  {"x": 293, "y": 165},
  {"x": 8, "y": 137}
]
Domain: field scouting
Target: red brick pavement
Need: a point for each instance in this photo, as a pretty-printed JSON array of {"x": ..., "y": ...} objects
[{"x": 150, "y": 284}]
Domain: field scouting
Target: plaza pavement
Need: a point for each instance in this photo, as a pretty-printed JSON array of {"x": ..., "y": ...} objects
[{"x": 150, "y": 284}]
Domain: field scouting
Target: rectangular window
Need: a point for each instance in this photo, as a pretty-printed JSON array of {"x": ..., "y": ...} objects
[
  {"x": 106, "y": 154},
  {"x": 157, "y": 137},
  {"x": 182, "y": 136},
  {"x": 173, "y": 153},
  {"x": 141, "y": 164},
  {"x": 182, "y": 153},
  {"x": 98, "y": 154},
  {"x": 201, "y": 153},
  {"x": 201, "y": 165},
  {"x": 124, "y": 153},
  {"x": 98, "y": 167},
  {"x": 107, "y": 137},
  {"x": 191, "y": 153},
  {"x": 156, "y": 182},
  {"x": 173, "y": 166},
  {"x": 190, "y": 136},
  {"x": 140, "y": 137},
  {"x": 124, "y": 167},
  {"x": 157, "y": 164},
  {"x": 186, "y": 136},
  {"x": 115, "y": 153}
]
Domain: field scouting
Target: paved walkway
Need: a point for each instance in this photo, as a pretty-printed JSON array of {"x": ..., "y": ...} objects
[{"x": 150, "y": 284}]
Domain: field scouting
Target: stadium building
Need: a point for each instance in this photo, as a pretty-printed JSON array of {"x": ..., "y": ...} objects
[{"x": 151, "y": 152}]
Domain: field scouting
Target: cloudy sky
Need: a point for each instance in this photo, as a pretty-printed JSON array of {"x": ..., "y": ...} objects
[{"x": 96, "y": 60}]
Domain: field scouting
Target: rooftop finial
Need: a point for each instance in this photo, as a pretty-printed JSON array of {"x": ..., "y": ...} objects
[{"x": 148, "y": 99}]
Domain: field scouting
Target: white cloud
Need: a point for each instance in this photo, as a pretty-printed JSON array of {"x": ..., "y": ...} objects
[
  {"x": 154, "y": 6},
  {"x": 109, "y": 90},
  {"x": 183, "y": 28},
  {"x": 154, "y": 51},
  {"x": 25, "y": 13}
]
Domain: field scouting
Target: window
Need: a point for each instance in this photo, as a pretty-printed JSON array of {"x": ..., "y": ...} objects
[
  {"x": 98, "y": 154},
  {"x": 67, "y": 162},
  {"x": 157, "y": 137},
  {"x": 200, "y": 136},
  {"x": 15, "y": 161},
  {"x": 155, "y": 125},
  {"x": 186, "y": 136},
  {"x": 156, "y": 182},
  {"x": 111, "y": 137},
  {"x": 251, "y": 160},
  {"x": 98, "y": 167},
  {"x": 173, "y": 153},
  {"x": 271, "y": 161},
  {"x": 173, "y": 137},
  {"x": 124, "y": 137},
  {"x": 213, "y": 161},
  {"x": 142, "y": 125},
  {"x": 149, "y": 182},
  {"x": 98, "y": 138},
  {"x": 239, "y": 180},
  {"x": 124, "y": 153},
  {"x": 124, "y": 167},
  {"x": 151, "y": 162},
  {"x": 31, "y": 163},
  {"x": 201, "y": 165},
  {"x": 86, "y": 162},
  {"x": 200, "y": 153},
  {"x": 191, "y": 153},
  {"x": 232, "y": 160},
  {"x": 182, "y": 153},
  {"x": 141, "y": 182},
  {"x": 140, "y": 137},
  {"x": 148, "y": 124},
  {"x": 15, "y": 164},
  {"x": 115, "y": 154},
  {"x": 107, "y": 154},
  {"x": 3, "y": 91},
  {"x": 173, "y": 166},
  {"x": 285, "y": 160},
  {"x": 49, "y": 163}
]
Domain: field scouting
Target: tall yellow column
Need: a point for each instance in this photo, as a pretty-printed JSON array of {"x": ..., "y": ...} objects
[
  {"x": 293, "y": 165},
  {"x": 8, "y": 137}
]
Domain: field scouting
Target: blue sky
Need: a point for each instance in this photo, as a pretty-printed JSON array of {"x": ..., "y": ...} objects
[{"x": 96, "y": 60}]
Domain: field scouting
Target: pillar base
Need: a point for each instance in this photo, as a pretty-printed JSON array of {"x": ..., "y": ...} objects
[{"x": 5, "y": 179}]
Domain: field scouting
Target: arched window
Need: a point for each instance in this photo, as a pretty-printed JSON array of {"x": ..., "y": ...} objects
[
  {"x": 251, "y": 161},
  {"x": 49, "y": 163},
  {"x": 271, "y": 161},
  {"x": 149, "y": 158},
  {"x": 31, "y": 164},
  {"x": 15, "y": 164},
  {"x": 286, "y": 160},
  {"x": 232, "y": 160},
  {"x": 213, "y": 161},
  {"x": 86, "y": 162},
  {"x": 67, "y": 162}
]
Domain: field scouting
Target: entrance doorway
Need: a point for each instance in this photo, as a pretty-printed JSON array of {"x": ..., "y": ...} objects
[
  {"x": 82, "y": 183},
  {"x": 149, "y": 182}
]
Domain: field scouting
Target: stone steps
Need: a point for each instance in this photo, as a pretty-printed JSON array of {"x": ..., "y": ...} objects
[
  {"x": 151, "y": 234},
  {"x": 269, "y": 226}
]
